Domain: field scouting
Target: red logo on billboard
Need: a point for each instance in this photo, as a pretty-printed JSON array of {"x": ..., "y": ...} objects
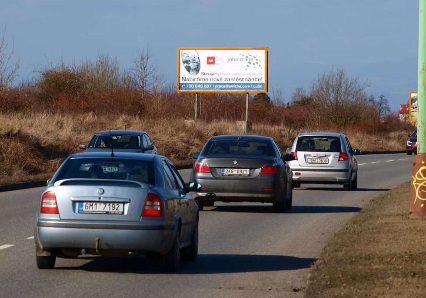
[{"x": 210, "y": 60}]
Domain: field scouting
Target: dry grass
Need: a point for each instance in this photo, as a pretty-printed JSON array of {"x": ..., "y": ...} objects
[
  {"x": 33, "y": 145},
  {"x": 380, "y": 253}
]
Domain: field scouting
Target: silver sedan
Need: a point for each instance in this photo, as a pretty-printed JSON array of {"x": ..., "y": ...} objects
[
  {"x": 324, "y": 158},
  {"x": 117, "y": 204}
]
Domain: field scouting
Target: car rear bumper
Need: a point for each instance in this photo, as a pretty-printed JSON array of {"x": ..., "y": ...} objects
[
  {"x": 321, "y": 175},
  {"x": 112, "y": 236},
  {"x": 268, "y": 189}
]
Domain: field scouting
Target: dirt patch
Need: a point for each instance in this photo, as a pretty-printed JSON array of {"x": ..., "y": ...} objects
[{"x": 380, "y": 253}]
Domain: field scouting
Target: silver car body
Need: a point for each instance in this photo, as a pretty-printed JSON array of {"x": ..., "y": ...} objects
[
  {"x": 306, "y": 169},
  {"x": 71, "y": 233}
]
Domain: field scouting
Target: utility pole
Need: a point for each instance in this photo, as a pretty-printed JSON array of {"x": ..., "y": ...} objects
[
  {"x": 196, "y": 107},
  {"x": 418, "y": 179}
]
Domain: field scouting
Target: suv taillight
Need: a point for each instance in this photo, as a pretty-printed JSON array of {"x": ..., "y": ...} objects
[
  {"x": 294, "y": 154},
  {"x": 343, "y": 156},
  {"x": 269, "y": 170},
  {"x": 202, "y": 168},
  {"x": 152, "y": 206},
  {"x": 48, "y": 203}
]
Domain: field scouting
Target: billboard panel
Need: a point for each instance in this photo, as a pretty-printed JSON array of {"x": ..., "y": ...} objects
[
  {"x": 227, "y": 70},
  {"x": 413, "y": 108}
]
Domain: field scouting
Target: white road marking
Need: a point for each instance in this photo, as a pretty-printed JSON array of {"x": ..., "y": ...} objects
[
  {"x": 389, "y": 160},
  {"x": 361, "y": 164},
  {"x": 6, "y": 246},
  {"x": 375, "y": 162},
  {"x": 402, "y": 159},
  {"x": 29, "y": 238}
]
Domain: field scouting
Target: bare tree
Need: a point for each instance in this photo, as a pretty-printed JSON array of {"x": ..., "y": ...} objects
[
  {"x": 382, "y": 105},
  {"x": 145, "y": 75},
  {"x": 8, "y": 68}
]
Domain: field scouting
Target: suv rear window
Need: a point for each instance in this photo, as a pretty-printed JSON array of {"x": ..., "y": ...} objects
[
  {"x": 318, "y": 144},
  {"x": 247, "y": 148},
  {"x": 99, "y": 168}
]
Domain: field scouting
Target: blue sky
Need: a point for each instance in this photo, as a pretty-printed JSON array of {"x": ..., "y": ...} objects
[{"x": 374, "y": 40}]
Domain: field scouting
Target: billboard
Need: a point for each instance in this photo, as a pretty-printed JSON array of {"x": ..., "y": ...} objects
[
  {"x": 413, "y": 108},
  {"x": 227, "y": 70}
]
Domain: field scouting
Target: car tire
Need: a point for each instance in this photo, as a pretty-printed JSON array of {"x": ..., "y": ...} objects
[
  {"x": 209, "y": 203},
  {"x": 289, "y": 201},
  {"x": 190, "y": 253},
  {"x": 296, "y": 184},
  {"x": 46, "y": 262},
  {"x": 409, "y": 152},
  {"x": 352, "y": 183},
  {"x": 173, "y": 257},
  {"x": 200, "y": 204}
]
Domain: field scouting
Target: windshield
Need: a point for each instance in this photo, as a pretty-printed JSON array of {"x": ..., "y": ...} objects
[
  {"x": 111, "y": 168},
  {"x": 246, "y": 148},
  {"x": 318, "y": 144},
  {"x": 414, "y": 135},
  {"x": 116, "y": 141}
]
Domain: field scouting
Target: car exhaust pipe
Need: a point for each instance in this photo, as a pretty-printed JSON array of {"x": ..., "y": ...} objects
[{"x": 210, "y": 195}]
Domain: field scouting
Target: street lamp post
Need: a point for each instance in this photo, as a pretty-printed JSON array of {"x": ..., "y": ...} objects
[{"x": 418, "y": 179}]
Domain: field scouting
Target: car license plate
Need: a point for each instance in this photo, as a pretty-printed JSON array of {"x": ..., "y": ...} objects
[
  {"x": 318, "y": 160},
  {"x": 101, "y": 207},
  {"x": 235, "y": 172}
]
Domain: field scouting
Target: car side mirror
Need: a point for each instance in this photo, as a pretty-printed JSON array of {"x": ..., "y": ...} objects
[
  {"x": 194, "y": 186},
  {"x": 83, "y": 147},
  {"x": 289, "y": 157},
  {"x": 196, "y": 155},
  {"x": 356, "y": 152},
  {"x": 148, "y": 147}
]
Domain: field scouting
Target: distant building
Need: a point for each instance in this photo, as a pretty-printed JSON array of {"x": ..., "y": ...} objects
[{"x": 403, "y": 113}]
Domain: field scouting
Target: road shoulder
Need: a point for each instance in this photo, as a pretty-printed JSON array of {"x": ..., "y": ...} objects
[{"x": 380, "y": 252}]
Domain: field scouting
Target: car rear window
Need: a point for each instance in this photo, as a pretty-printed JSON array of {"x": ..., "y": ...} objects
[
  {"x": 247, "y": 148},
  {"x": 318, "y": 144},
  {"x": 98, "y": 168},
  {"x": 116, "y": 141}
]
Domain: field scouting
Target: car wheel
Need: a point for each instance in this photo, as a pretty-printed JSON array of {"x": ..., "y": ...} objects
[
  {"x": 296, "y": 184},
  {"x": 47, "y": 262},
  {"x": 200, "y": 204},
  {"x": 190, "y": 253},
  {"x": 355, "y": 182},
  {"x": 409, "y": 152},
  {"x": 173, "y": 257},
  {"x": 350, "y": 184},
  {"x": 289, "y": 201}
]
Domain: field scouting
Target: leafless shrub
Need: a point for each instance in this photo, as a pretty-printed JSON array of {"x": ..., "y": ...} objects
[{"x": 8, "y": 67}]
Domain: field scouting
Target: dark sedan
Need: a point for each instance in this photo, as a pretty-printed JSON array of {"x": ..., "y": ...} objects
[
  {"x": 238, "y": 168},
  {"x": 121, "y": 140}
]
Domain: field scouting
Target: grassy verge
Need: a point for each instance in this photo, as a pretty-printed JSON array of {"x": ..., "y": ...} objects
[
  {"x": 380, "y": 253},
  {"x": 33, "y": 145}
]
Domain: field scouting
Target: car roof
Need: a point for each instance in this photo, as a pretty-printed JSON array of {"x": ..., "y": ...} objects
[
  {"x": 241, "y": 137},
  {"x": 120, "y": 132},
  {"x": 121, "y": 155},
  {"x": 320, "y": 134}
]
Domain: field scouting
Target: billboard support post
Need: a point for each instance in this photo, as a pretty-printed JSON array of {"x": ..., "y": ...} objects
[
  {"x": 196, "y": 106},
  {"x": 246, "y": 124},
  {"x": 418, "y": 179}
]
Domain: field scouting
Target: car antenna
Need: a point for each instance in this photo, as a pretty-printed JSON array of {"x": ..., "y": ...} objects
[{"x": 112, "y": 144}]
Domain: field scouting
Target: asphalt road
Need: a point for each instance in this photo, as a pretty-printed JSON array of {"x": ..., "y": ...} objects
[{"x": 246, "y": 250}]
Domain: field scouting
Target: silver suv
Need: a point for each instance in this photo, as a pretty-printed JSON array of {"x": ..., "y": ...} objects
[{"x": 324, "y": 158}]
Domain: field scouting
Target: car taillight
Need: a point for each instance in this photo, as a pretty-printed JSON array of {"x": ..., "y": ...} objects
[
  {"x": 202, "y": 168},
  {"x": 48, "y": 203},
  {"x": 269, "y": 170},
  {"x": 152, "y": 206},
  {"x": 294, "y": 154},
  {"x": 343, "y": 156}
]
